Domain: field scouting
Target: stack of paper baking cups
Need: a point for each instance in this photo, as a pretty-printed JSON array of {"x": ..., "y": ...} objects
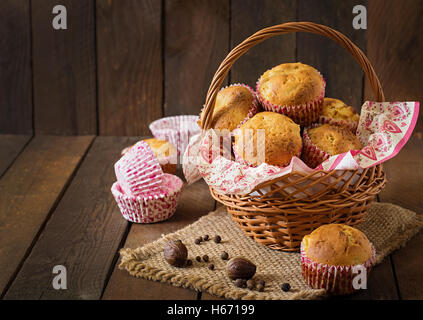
[{"x": 142, "y": 191}]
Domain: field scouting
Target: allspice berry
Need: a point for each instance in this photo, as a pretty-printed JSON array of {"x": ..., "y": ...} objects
[
  {"x": 240, "y": 268},
  {"x": 251, "y": 284},
  {"x": 206, "y": 258},
  {"x": 224, "y": 255},
  {"x": 217, "y": 239},
  {"x": 175, "y": 253},
  {"x": 260, "y": 287},
  {"x": 197, "y": 241},
  {"x": 198, "y": 258},
  {"x": 241, "y": 283},
  {"x": 206, "y": 237},
  {"x": 211, "y": 266},
  {"x": 189, "y": 262}
]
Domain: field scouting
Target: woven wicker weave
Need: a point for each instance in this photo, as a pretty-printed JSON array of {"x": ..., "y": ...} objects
[{"x": 297, "y": 203}]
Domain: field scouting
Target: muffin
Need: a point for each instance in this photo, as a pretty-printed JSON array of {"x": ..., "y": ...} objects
[
  {"x": 330, "y": 257},
  {"x": 234, "y": 104},
  {"x": 327, "y": 140},
  {"x": 293, "y": 89},
  {"x": 282, "y": 140},
  {"x": 165, "y": 153},
  {"x": 335, "y": 111}
]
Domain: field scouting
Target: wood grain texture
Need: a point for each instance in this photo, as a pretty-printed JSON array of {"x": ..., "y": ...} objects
[
  {"x": 64, "y": 69},
  {"x": 83, "y": 233},
  {"x": 10, "y": 147},
  {"x": 196, "y": 42},
  {"x": 394, "y": 46},
  {"x": 249, "y": 16},
  {"x": 405, "y": 188},
  {"x": 29, "y": 191},
  {"x": 130, "y": 75},
  {"x": 195, "y": 201},
  {"x": 15, "y": 66},
  {"x": 344, "y": 77}
]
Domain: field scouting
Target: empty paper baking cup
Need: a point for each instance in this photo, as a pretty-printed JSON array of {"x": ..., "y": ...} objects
[
  {"x": 177, "y": 130},
  {"x": 150, "y": 207},
  {"x": 138, "y": 170}
]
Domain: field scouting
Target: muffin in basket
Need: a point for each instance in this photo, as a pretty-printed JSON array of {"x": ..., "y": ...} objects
[
  {"x": 333, "y": 255},
  {"x": 234, "y": 104},
  {"x": 276, "y": 143},
  {"x": 293, "y": 89},
  {"x": 335, "y": 111},
  {"x": 327, "y": 140},
  {"x": 165, "y": 153}
]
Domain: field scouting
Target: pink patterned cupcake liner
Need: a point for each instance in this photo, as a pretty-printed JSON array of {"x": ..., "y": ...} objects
[
  {"x": 177, "y": 130},
  {"x": 337, "y": 280},
  {"x": 312, "y": 155},
  {"x": 138, "y": 170},
  {"x": 254, "y": 107},
  {"x": 151, "y": 206},
  {"x": 304, "y": 114},
  {"x": 351, "y": 125}
]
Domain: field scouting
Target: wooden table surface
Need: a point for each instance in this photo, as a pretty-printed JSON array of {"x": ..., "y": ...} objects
[{"x": 56, "y": 208}]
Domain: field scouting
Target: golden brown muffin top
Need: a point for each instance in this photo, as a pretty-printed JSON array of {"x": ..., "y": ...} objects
[
  {"x": 337, "y": 109},
  {"x": 282, "y": 139},
  {"x": 161, "y": 148},
  {"x": 232, "y": 106},
  {"x": 337, "y": 244},
  {"x": 291, "y": 84},
  {"x": 334, "y": 139}
]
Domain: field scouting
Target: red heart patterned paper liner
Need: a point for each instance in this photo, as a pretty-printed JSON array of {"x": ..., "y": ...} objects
[
  {"x": 336, "y": 280},
  {"x": 304, "y": 114},
  {"x": 384, "y": 128},
  {"x": 177, "y": 130},
  {"x": 151, "y": 207}
]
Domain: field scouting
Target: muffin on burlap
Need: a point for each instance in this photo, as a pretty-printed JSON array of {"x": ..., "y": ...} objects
[
  {"x": 276, "y": 143},
  {"x": 332, "y": 255},
  {"x": 335, "y": 111},
  {"x": 293, "y": 89},
  {"x": 164, "y": 151},
  {"x": 327, "y": 140},
  {"x": 234, "y": 104}
]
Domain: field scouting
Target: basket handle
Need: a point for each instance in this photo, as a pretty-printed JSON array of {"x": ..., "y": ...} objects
[{"x": 256, "y": 38}]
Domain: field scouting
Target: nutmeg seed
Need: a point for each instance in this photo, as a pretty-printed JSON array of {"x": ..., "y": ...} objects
[
  {"x": 175, "y": 253},
  {"x": 240, "y": 268}
]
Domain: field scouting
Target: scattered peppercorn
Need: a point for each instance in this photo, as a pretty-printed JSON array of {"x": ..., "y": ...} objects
[
  {"x": 285, "y": 287},
  {"x": 211, "y": 266},
  {"x": 251, "y": 284},
  {"x": 206, "y": 258},
  {"x": 206, "y": 237},
  {"x": 224, "y": 255},
  {"x": 260, "y": 287},
  {"x": 197, "y": 241},
  {"x": 189, "y": 262},
  {"x": 262, "y": 282},
  {"x": 198, "y": 258},
  {"x": 217, "y": 239},
  {"x": 240, "y": 283}
]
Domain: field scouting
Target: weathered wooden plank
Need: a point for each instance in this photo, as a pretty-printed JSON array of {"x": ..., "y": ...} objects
[
  {"x": 29, "y": 191},
  {"x": 405, "y": 188},
  {"x": 343, "y": 74},
  {"x": 249, "y": 16},
  {"x": 196, "y": 42},
  {"x": 195, "y": 201},
  {"x": 10, "y": 147},
  {"x": 64, "y": 69},
  {"x": 15, "y": 66},
  {"x": 394, "y": 46},
  {"x": 83, "y": 233},
  {"x": 130, "y": 75}
]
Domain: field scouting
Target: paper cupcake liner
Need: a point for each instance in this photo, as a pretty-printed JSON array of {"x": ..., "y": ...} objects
[
  {"x": 151, "y": 207},
  {"x": 312, "y": 155},
  {"x": 304, "y": 114},
  {"x": 138, "y": 170},
  {"x": 336, "y": 280},
  {"x": 351, "y": 125},
  {"x": 254, "y": 107},
  {"x": 177, "y": 130}
]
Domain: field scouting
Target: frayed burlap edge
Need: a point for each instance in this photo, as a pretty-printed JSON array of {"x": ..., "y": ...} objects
[{"x": 130, "y": 261}]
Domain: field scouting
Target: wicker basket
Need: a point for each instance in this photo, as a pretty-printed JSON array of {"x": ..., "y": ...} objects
[{"x": 292, "y": 208}]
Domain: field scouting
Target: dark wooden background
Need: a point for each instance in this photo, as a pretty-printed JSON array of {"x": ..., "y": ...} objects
[{"x": 122, "y": 64}]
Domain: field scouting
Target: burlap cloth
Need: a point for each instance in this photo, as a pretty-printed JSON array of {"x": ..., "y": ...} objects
[{"x": 387, "y": 226}]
